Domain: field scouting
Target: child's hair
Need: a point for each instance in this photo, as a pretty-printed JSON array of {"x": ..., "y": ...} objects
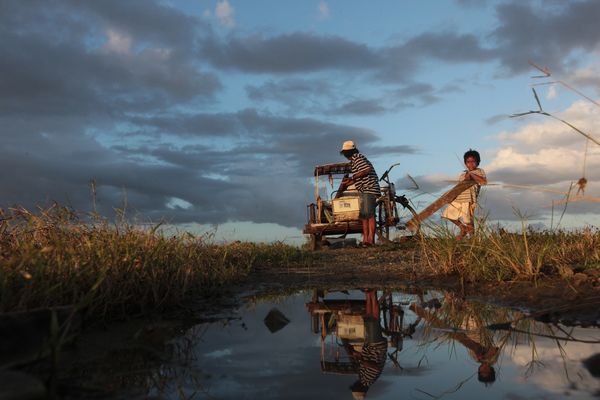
[{"x": 472, "y": 153}]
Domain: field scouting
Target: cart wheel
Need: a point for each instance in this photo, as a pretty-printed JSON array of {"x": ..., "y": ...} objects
[{"x": 415, "y": 218}]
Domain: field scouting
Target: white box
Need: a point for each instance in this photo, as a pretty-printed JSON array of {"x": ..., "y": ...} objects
[{"x": 346, "y": 208}]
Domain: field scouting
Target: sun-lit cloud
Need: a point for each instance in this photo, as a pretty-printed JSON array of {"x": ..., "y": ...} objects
[
  {"x": 554, "y": 359},
  {"x": 117, "y": 42},
  {"x": 323, "y": 10},
  {"x": 535, "y": 165},
  {"x": 225, "y": 14}
]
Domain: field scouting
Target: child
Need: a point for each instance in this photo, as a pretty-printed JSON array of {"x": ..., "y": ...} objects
[{"x": 463, "y": 207}]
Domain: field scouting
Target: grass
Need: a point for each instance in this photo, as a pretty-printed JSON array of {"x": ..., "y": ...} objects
[
  {"x": 57, "y": 257},
  {"x": 494, "y": 254}
]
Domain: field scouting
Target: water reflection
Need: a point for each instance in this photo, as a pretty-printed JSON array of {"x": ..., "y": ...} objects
[
  {"x": 347, "y": 328},
  {"x": 330, "y": 344}
]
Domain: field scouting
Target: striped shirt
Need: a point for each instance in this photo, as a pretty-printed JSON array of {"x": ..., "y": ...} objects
[
  {"x": 374, "y": 354},
  {"x": 368, "y": 183},
  {"x": 470, "y": 195}
]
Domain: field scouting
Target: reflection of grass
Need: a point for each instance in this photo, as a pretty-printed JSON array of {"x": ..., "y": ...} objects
[
  {"x": 496, "y": 254},
  {"x": 54, "y": 257}
]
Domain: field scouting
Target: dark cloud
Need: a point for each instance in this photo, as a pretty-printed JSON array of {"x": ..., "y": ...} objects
[
  {"x": 361, "y": 107},
  {"x": 55, "y": 61},
  {"x": 293, "y": 91},
  {"x": 307, "y": 52},
  {"x": 399, "y": 149},
  {"x": 140, "y": 18},
  {"x": 472, "y": 3},
  {"x": 289, "y": 53},
  {"x": 321, "y": 97},
  {"x": 546, "y": 35},
  {"x": 590, "y": 80}
]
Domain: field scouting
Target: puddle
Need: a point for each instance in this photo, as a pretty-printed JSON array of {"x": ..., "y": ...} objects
[{"x": 432, "y": 345}]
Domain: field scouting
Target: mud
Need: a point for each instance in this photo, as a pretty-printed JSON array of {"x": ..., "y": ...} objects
[{"x": 573, "y": 298}]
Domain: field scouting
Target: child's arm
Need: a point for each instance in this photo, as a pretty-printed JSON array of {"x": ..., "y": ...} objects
[{"x": 481, "y": 180}]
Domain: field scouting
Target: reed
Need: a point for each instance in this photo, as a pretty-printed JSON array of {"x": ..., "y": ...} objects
[
  {"x": 495, "y": 254},
  {"x": 55, "y": 257}
]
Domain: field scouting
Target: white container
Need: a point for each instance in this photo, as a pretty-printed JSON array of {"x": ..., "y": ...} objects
[
  {"x": 345, "y": 208},
  {"x": 350, "y": 327}
]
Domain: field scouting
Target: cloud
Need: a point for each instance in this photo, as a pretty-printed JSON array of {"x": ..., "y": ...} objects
[
  {"x": 288, "y": 53},
  {"x": 296, "y": 94},
  {"x": 319, "y": 96},
  {"x": 225, "y": 14},
  {"x": 494, "y": 119},
  {"x": 471, "y": 3},
  {"x": 587, "y": 76},
  {"x": 533, "y": 168},
  {"x": 118, "y": 42},
  {"x": 546, "y": 35},
  {"x": 322, "y": 10},
  {"x": 547, "y": 157},
  {"x": 89, "y": 66},
  {"x": 395, "y": 150},
  {"x": 308, "y": 52}
]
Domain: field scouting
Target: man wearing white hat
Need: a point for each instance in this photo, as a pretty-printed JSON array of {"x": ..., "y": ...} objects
[{"x": 366, "y": 181}]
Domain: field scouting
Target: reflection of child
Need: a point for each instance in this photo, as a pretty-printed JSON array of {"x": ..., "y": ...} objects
[{"x": 461, "y": 211}]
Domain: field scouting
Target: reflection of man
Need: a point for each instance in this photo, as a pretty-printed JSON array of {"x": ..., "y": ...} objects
[{"x": 372, "y": 357}]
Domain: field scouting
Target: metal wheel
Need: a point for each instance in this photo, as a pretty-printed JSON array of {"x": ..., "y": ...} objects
[{"x": 406, "y": 213}]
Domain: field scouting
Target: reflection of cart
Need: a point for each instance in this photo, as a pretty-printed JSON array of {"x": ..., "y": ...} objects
[
  {"x": 340, "y": 324},
  {"x": 339, "y": 215}
]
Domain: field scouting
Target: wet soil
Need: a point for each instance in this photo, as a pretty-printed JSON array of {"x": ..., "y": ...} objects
[{"x": 573, "y": 298}]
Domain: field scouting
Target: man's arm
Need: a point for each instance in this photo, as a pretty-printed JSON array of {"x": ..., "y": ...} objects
[{"x": 357, "y": 175}]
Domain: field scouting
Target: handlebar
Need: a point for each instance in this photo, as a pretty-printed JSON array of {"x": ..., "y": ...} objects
[{"x": 384, "y": 177}]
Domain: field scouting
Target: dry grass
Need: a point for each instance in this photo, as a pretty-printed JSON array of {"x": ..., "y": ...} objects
[
  {"x": 494, "y": 254},
  {"x": 56, "y": 257}
]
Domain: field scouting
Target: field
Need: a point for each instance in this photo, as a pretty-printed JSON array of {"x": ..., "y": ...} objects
[{"x": 113, "y": 269}]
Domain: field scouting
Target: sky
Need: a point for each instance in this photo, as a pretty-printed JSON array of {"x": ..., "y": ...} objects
[{"x": 211, "y": 115}]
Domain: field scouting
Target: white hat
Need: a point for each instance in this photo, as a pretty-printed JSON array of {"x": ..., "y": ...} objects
[{"x": 348, "y": 145}]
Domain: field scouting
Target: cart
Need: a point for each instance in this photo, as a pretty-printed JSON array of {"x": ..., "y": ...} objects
[{"x": 325, "y": 218}]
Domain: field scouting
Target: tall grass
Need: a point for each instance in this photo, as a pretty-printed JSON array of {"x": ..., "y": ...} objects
[
  {"x": 495, "y": 254},
  {"x": 56, "y": 257}
]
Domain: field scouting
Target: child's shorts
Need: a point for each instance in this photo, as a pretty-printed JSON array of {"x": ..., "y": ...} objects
[{"x": 456, "y": 211}]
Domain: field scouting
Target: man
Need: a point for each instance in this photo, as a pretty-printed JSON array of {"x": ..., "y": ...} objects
[{"x": 366, "y": 181}]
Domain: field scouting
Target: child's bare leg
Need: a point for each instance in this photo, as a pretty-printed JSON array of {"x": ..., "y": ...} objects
[
  {"x": 461, "y": 226},
  {"x": 470, "y": 228}
]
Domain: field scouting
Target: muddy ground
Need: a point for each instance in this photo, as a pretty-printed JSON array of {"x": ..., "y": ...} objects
[{"x": 573, "y": 300}]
